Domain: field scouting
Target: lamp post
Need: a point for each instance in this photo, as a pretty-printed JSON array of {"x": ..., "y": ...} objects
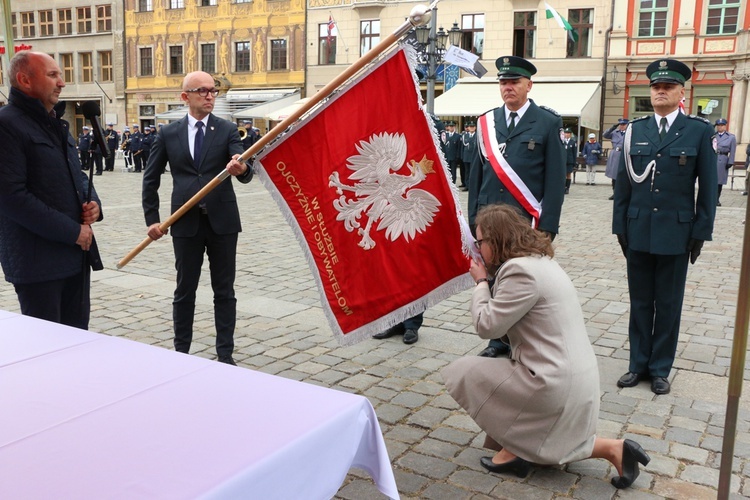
[{"x": 435, "y": 40}]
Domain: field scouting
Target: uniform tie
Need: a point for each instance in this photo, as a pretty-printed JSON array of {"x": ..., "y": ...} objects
[
  {"x": 198, "y": 143},
  {"x": 512, "y": 124},
  {"x": 663, "y": 128}
]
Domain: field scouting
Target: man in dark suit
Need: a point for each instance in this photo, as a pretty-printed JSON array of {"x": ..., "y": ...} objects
[
  {"x": 197, "y": 148},
  {"x": 136, "y": 148},
  {"x": 468, "y": 151},
  {"x": 659, "y": 222},
  {"x": 525, "y": 165},
  {"x": 452, "y": 148},
  {"x": 113, "y": 141}
]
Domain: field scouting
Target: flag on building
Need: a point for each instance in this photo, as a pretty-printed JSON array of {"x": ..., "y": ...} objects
[
  {"x": 331, "y": 26},
  {"x": 371, "y": 202},
  {"x": 561, "y": 21}
]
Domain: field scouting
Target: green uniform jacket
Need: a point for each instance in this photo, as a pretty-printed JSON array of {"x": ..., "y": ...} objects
[
  {"x": 661, "y": 219},
  {"x": 540, "y": 165}
]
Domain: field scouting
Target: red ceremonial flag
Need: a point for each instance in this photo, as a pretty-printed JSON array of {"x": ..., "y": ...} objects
[{"x": 371, "y": 202}]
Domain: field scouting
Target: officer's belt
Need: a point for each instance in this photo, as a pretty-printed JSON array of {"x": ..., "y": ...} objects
[{"x": 491, "y": 150}]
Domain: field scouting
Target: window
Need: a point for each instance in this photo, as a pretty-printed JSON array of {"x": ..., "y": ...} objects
[
  {"x": 207, "y": 3},
  {"x": 87, "y": 69},
  {"x": 652, "y": 18},
  {"x": 105, "y": 66},
  {"x": 64, "y": 22},
  {"x": 83, "y": 15},
  {"x": 582, "y": 22},
  {"x": 176, "y": 4},
  {"x": 327, "y": 33},
  {"x": 147, "y": 110},
  {"x": 369, "y": 35},
  {"x": 524, "y": 34},
  {"x": 723, "y": 16},
  {"x": 66, "y": 65},
  {"x": 175, "y": 60},
  {"x": 13, "y": 22},
  {"x": 472, "y": 33},
  {"x": 28, "y": 28},
  {"x": 103, "y": 18},
  {"x": 243, "y": 1},
  {"x": 208, "y": 57},
  {"x": 278, "y": 54},
  {"x": 242, "y": 56},
  {"x": 46, "y": 23},
  {"x": 147, "y": 61},
  {"x": 145, "y": 6}
]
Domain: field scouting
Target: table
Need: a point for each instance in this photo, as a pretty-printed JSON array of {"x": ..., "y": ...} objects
[{"x": 86, "y": 415}]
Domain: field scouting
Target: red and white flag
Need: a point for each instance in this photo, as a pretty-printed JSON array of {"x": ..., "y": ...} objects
[
  {"x": 371, "y": 202},
  {"x": 331, "y": 26}
]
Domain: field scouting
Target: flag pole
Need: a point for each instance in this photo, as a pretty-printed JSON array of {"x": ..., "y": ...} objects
[
  {"x": 737, "y": 365},
  {"x": 419, "y": 16}
]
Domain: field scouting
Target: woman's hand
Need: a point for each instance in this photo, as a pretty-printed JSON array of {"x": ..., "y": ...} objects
[{"x": 477, "y": 270}]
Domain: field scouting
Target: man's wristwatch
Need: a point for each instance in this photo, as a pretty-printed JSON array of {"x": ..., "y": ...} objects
[{"x": 482, "y": 280}]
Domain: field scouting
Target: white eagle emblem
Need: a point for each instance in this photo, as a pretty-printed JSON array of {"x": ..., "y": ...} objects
[{"x": 385, "y": 198}]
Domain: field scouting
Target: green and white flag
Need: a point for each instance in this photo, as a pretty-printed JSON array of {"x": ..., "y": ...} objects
[{"x": 564, "y": 24}]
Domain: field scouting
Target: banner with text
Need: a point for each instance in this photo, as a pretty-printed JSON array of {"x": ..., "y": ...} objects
[{"x": 363, "y": 184}]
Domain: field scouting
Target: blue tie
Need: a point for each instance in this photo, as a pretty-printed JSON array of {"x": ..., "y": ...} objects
[{"x": 198, "y": 144}]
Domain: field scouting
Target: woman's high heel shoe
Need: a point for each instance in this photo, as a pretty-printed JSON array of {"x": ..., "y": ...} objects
[
  {"x": 518, "y": 466},
  {"x": 632, "y": 455}
]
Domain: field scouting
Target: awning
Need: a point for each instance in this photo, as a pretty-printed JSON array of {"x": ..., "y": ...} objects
[
  {"x": 282, "y": 113},
  {"x": 257, "y": 96},
  {"x": 473, "y": 97},
  {"x": 261, "y": 110}
]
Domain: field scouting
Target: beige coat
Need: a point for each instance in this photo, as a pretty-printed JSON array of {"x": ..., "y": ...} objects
[{"x": 543, "y": 403}]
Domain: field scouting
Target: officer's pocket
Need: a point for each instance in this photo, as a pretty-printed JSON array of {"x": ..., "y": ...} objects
[
  {"x": 530, "y": 143},
  {"x": 684, "y": 159},
  {"x": 640, "y": 156}
]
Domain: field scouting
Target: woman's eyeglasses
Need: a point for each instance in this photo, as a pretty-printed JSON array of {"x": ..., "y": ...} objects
[
  {"x": 478, "y": 244},
  {"x": 203, "y": 92}
]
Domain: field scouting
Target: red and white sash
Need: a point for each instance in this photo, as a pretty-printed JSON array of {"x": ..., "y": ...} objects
[{"x": 491, "y": 150}]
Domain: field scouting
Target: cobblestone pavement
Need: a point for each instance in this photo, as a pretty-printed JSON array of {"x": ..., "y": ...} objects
[{"x": 434, "y": 445}]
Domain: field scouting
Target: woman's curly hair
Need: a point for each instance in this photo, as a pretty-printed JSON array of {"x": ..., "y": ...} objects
[{"x": 510, "y": 235}]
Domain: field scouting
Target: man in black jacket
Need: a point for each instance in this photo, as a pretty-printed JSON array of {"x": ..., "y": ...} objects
[
  {"x": 46, "y": 241},
  {"x": 198, "y": 147}
]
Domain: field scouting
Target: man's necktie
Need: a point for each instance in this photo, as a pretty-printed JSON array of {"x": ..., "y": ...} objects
[
  {"x": 198, "y": 144},
  {"x": 663, "y": 128},
  {"x": 512, "y": 124}
]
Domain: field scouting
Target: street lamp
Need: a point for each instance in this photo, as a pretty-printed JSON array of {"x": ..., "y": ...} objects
[{"x": 435, "y": 40}]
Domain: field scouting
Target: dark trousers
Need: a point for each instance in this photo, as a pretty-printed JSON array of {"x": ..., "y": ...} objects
[
  {"x": 464, "y": 169},
  {"x": 221, "y": 250},
  {"x": 97, "y": 159},
  {"x": 109, "y": 162},
  {"x": 453, "y": 165},
  {"x": 65, "y": 301},
  {"x": 85, "y": 160},
  {"x": 138, "y": 160},
  {"x": 656, "y": 284}
]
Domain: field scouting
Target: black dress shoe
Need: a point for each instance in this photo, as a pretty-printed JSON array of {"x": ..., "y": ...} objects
[
  {"x": 227, "y": 360},
  {"x": 660, "y": 385},
  {"x": 611, "y": 197},
  {"x": 630, "y": 379},
  {"x": 518, "y": 466},
  {"x": 744, "y": 193},
  {"x": 495, "y": 352},
  {"x": 410, "y": 336},
  {"x": 718, "y": 203},
  {"x": 394, "y": 330},
  {"x": 632, "y": 455}
]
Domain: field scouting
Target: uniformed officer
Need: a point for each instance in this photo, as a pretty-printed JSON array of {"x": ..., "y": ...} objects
[
  {"x": 113, "y": 141},
  {"x": 570, "y": 157},
  {"x": 659, "y": 222},
  {"x": 725, "y": 144},
  {"x": 616, "y": 134},
  {"x": 468, "y": 151},
  {"x": 451, "y": 149},
  {"x": 84, "y": 147},
  {"x": 148, "y": 140},
  {"x": 525, "y": 166},
  {"x": 136, "y": 147}
]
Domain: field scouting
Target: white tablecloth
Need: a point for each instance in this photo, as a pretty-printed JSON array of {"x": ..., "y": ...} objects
[{"x": 84, "y": 415}]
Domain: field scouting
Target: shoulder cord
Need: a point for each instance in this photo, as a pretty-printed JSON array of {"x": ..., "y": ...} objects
[{"x": 629, "y": 162}]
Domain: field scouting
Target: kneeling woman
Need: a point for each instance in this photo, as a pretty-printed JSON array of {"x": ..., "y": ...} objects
[{"x": 540, "y": 406}]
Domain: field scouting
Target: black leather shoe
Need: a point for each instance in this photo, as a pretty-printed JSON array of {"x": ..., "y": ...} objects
[
  {"x": 632, "y": 455},
  {"x": 630, "y": 379},
  {"x": 611, "y": 197},
  {"x": 518, "y": 466},
  {"x": 228, "y": 360},
  {"x": 660, "y": 385},
  {"x": 495, "y": 352},
  {"x": 718, "y": 203},
  {"x": 394, "y": 330},
  {"x": 744, "y": 193},
  {"x": 410, "y": 336}
]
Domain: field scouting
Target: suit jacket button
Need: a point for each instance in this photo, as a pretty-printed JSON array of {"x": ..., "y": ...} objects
[
  {"x": 658, "y": 155},
  {"x": 656, "y": 209},
  {"x": 656, "y": 190},
  {"x": 502, "y": 190}
]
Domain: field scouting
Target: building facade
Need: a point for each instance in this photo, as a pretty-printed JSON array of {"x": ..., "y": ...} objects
[
  {"x": 247, "y": 45},
  {"x": 711, "y": 37},
  {"x": 83, "y": 36}
]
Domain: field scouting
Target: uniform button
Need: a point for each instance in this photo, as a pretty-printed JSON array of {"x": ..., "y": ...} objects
[
  {"x": 656, "y": 190},
  {"x": 507, "y": 140},
  {"x": 502, "y": 190},
  {"x": 658, "y": 173},
  {"x": 656, "y": 209}
]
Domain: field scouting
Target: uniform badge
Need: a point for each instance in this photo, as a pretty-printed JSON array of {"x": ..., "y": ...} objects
[{"x": 532, "y": 145}]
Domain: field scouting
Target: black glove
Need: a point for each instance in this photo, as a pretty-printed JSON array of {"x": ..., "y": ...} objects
[
  {"x": 623, "y": 241},
  {"x": 694, "y": 247}
]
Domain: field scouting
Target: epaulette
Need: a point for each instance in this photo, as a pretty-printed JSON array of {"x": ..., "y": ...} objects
[
  {"x": 695, "y": 117},
  {"x": 550, "y": 110},
  {"x": 639, "y": 118}
]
